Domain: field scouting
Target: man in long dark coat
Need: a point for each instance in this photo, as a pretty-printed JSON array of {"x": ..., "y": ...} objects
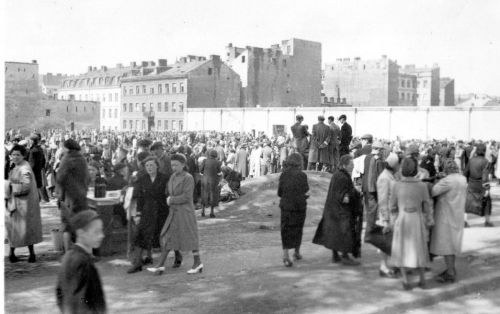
[
  {"x": 345, "y": 135},
  {"x": 334, "y": 144},
  {"x": 37, "y": 162},
  {"x": 320, "y": 138},
  {"x": 211, "y": 170},
  {"x": 338, "y": 229},
  {"x": 300, "y": 134}
]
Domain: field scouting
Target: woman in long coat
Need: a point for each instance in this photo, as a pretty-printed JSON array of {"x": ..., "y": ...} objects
[
  {"x": 292, "y": 189},
  {"x": 337, "y": 229},
  {"x": 447, "y": 234},
  {"x": 151, "y": 207},
  {"x": 23, "y": 223},
  {"x": 210, "y": 192},
  {"x": 410, "y": 201},
  {"x": 180, "y": 231},
  {"x": 241, "y": 161}
]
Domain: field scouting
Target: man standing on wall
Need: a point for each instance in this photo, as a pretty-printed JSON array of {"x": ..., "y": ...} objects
[
  {"x": 300, "y": 135},
  {"x": 345, "y": 135}
]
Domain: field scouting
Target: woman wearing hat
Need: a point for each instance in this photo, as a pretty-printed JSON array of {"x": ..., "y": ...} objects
[
  {"x": 180, "y": 232},
  {"x": 24, "y": 223},
  {"x": 410, "y": 202},
  {"x": 446, "y": 239}
]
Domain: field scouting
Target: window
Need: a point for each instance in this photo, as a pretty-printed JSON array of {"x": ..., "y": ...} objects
[
  {"x": 402, "y": 83},
  {"x": 143, "y": 125},
  {"x": 152, "y": 90},
  {"x": 173, "y": 125},
  {"x": 144, "y": 89},
  {"x": 151, "y": 107},
  {"x": 159, "y": 107},
  {"x": 166, "y": 107},
  {"x": 116, "y": 113},
  {"x": 136, "y": 124},
  {"x": 180, "y": 125},
  {"x": 181, "y": 87},
  {"x": 408, "y": 84},
  {"x": 284, "y": 62},
  {"x": 174, "y": 109},
  {"x": 209, "y": 71},
  {"x": 401, "y": 96},
  {"x": 103, "y": 113},
  {"x": 124, "y": 124},
  {"x": 130, "y": 124},
  {"x": 143, "y": 107},
  {"x": 131, "y": 107},
  {"x": 110, "y": 97},
  {"x": 137, "y": 91},
  {"x": 124, "y": 107},
  {"x": 181, "y": 106},
  {"x": 76, "y": 108},
  {"x": 131, "y": 91},
  {"x": 159, "y": 125},
  {"x": 136, "y": 107},
  {"x": 174, "y": 88},
  {"x": 67, "y": 108},
  {"x": 47, "y": 113},
  {"x": 243, "y": 59},
  {"x": 165, "y": 125},
  {"x": 160, "y": 89}
]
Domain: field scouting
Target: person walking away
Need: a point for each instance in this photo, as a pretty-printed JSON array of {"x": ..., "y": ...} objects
[
  {"x": 334, "y": 143},
  {"x": 79, "y": 288},
  {"x": 337, "y": 229},
  {"x": 37, "y": 162},
  {"x": 447, "y": 234},
  {"x": 345, "y": 135},
  {"x": 411, "y": 204},
  {"x": 300, "y": 134},
  {"x": 180, "y": 231},
  {"x": 211, "y": 171},
  {"x": 23, "y": 221},
  {"x": 292, "y": 189},
  {"x": 318, "y": 150}
]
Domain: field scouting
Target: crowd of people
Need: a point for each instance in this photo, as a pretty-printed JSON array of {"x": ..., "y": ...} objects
[{"x": 411, "y": 196}]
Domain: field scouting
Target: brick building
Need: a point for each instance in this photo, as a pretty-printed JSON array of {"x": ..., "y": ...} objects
[
  {"x": 428, "y": 84},
  {"x": 280, "y": 76},
  {"x": 361, "y": 83},
  {"x": 407, "y": 90},
  {"x": 101, "y": 85},
  {"x": 156, "y": 98},
  {"x": 26, "y": 108},
  {"x": 447, "y": 92}
]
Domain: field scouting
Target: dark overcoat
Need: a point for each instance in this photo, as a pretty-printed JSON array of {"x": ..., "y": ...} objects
[
  {"x": 79, "y": 288},
  {"x": 338, "y": 229},
  {"x": 210, "y": 168},
  {"x": 300, "y": 134},
  {"x": 37, "y": 162},
  {"x": 318, "y": 151},
  {"x": 152, "y": 204},
  {"x": 345, "y": 138}
]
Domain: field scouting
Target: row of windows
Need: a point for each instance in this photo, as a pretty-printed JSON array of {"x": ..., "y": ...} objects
[
  {"x": 165, "y": 107},
  {"x": 110, "y": 111},
  {"x": 86, "y": 82},
  {"x": 92, "y": 97},
  {"x": 407, "y": 96},
  {"x": 76, "y": 108},
  {"x": 407, "y": 84},
  {"x": 160, "y": 125},
  {"x": 167, "y": 89}
]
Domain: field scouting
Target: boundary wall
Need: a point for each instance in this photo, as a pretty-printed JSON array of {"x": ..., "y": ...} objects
[{"x": 383, "y": 122}]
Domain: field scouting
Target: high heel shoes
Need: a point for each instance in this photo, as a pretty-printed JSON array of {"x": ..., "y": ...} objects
[
  {"x": 196, "y": 270},
  {"x": 287, "y": 262},
  {"x": 156, "y": 270}
]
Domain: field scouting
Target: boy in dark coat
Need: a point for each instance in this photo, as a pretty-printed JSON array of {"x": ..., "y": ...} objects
[{"x": 79, "y": 288}]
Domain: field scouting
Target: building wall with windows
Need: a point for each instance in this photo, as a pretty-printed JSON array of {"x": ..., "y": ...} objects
[
  {"x": 428, "y": 84},
  {"x": 407, "y": 90},
  {"x": 282, "y": 75},
  {"x": 362, "y": 83}
]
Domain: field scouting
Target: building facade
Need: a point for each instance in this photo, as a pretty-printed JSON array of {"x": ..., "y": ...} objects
[
  {"x": 362, "y": 83},
  {"x": 407, "y": 90},
  {"x": 157, "y": 98},
  {"x": 50, "y": 84},
  {"x": 447, "y": 92},
  {"x": 282, "y": 75},
  {"x": 101, "y": 85},
  {"x": 428, "y": 84}
]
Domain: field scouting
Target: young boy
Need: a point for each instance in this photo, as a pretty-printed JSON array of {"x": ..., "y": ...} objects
[{"x": 79, "y": 288}]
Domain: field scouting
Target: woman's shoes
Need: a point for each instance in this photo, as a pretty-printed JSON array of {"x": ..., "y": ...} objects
[
  {"x": 287, "y": 262},
  {"x": 134, "y": 269},
  {"x": 32, "y": 259},
  {"x": 13, "y": 259},
  {"x": 156, "y": 270},
  {"x": 297, "y": 256},
  {"x": 196, "y": 270}
]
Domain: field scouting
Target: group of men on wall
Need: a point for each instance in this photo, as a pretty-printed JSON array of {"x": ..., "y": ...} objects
[{"x": 326, "y": 144}]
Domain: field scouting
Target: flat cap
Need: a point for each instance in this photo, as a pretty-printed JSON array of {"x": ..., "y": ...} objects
[{"x": 83, "y": 219}]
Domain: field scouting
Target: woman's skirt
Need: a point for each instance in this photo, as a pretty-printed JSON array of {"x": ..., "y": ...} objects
[{"x": 292, "y": 224}]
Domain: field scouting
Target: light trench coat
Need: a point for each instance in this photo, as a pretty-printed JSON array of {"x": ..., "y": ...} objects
[
  {"x": 180, "y": 231},
  {"x": 23, "y": 220},
  {"x": 446, "y": 238}
]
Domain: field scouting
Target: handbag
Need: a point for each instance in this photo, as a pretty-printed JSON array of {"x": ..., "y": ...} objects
[
  {"x": 379, "y": 239},
  {"x": 474, "y": 203}
]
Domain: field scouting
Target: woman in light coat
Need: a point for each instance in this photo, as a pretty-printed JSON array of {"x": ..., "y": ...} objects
[
  {"x": 410, "y": 201},
  {"x": 446, "y": 238},
  {"x": 23, "y": 221},
  {"x": 180, "y": 231}
]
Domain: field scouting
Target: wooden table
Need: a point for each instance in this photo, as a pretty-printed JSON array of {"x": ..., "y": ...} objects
[{"x": 115, "y": 240}]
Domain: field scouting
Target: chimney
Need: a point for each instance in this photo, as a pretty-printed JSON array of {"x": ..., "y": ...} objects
[
  {"x": 144, "y": 63},
  {"x": 89, "y": 68},
  {"x": 33, "y": 61},
  {"x": 133, "y": 64},
  {"x": 230, "y": 45},
  {"x": 162, "y": 62}
]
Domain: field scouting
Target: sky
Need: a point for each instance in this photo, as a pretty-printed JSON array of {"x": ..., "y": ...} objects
[{"x": 67, "y": 36}]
